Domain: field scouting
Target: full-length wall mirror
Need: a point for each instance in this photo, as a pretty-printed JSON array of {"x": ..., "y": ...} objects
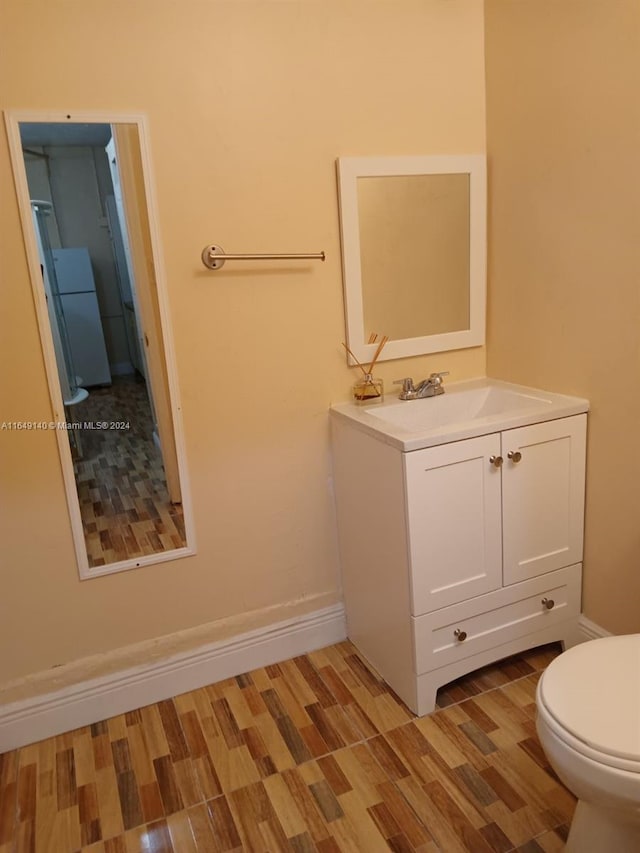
[
  {"x": 414, "y": 252},
  {"x": 86, "y": 202}
]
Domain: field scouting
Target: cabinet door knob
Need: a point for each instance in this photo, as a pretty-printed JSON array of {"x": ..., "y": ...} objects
[
  {"x": 549, "y": 603},
  {"x": 461, "y": 635},
  {"x": 496, "y": 460},
  {"x": 514, "y": 455}
]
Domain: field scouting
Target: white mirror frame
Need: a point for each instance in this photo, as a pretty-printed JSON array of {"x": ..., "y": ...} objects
[
  {"x": 352, "y": 168},
  {"x": 13, "y": 119}
]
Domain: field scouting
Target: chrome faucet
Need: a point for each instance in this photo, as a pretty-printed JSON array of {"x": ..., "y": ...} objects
[{"x": 427, "y": 388}]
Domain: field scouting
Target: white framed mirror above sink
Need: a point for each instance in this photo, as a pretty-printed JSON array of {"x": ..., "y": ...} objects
[{"x": 413, "y": 233}]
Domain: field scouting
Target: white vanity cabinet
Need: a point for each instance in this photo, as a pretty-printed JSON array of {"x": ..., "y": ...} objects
[
  {"x": 458, "y": 554},
  {"x": 478, "y": 519}
]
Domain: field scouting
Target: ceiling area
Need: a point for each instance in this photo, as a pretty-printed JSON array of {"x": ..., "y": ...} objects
[{"x": 61, "y": 133}]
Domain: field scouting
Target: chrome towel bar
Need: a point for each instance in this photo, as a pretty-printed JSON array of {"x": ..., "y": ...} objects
[{"x": 213, "y": 257}]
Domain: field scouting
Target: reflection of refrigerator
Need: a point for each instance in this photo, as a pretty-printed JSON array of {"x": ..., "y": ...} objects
[{"x": 82, "y": 315}]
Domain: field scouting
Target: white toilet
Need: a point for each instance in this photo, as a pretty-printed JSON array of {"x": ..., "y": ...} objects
[{"x": 588, "y": 723}]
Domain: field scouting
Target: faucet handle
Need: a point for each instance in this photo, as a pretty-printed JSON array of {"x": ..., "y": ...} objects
[
  {"x": 407, "y": 384},
  {"x": 436, "y": 378}
]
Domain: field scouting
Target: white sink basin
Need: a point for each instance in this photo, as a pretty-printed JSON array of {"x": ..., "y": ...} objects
[
  {"x": 455, "y": 407},
  {"x": 466, "y": 409}
]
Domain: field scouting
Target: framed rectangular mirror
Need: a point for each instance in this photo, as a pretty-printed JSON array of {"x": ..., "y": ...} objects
[
  {"x": 413, "y": 252},
  {"x": 85, "y": 193}
]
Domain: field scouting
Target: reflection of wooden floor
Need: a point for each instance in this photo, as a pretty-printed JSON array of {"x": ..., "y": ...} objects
[
  {"x": 313, "y": 754},
  {"x": 120, "y": 478}
]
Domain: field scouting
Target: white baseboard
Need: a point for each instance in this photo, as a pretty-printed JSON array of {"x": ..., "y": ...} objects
[
  {"x": 588, "y": 630},
  {"x": 33, "y": 719},
  {"x": 90, "y": 701}
]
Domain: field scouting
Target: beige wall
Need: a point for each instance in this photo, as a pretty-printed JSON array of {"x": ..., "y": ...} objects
[
  {"x": 249, "y": 104},
  {"x": 563, "y": 138}
]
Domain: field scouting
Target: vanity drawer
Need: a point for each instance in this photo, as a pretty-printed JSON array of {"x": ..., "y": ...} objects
[{"x": 495, "y": 618}]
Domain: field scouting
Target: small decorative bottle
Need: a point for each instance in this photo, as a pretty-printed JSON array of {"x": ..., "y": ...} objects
[{"x": 368, "y": 390}]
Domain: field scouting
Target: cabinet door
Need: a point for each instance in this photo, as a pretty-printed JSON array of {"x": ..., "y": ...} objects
[
  {"x": 543, "y": 497},
  {"x": 453, "y": 500}
]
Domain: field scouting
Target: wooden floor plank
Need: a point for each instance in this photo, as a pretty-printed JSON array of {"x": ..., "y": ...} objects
[{"x": 315, "y": 754}]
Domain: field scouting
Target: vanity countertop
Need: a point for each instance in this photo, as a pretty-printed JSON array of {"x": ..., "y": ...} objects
[{"x": 466, "y": 409}]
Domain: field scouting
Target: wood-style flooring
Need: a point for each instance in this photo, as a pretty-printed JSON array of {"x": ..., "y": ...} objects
[
  {"x": 120, "y": 478},
  {"x": 313, "y": 754}
]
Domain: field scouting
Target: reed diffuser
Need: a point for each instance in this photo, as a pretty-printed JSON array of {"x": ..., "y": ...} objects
[{"x": 369, "y": 389}]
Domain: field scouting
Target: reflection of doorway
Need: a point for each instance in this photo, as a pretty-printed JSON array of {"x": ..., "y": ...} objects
[
  {"x": 68, "y": 166},
  {"x": 116, "y": 217}
]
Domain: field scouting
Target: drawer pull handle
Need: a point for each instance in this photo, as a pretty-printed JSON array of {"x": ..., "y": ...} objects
[
  {"x": 461, "y": 635},
  {"x": 549, "y": 603},
  {"x": 496, "y": 460},
  {"x": 514, "y": 455}
]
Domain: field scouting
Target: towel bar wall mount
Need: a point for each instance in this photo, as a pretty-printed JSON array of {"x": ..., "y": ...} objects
[{"x": 214, "y": 256}]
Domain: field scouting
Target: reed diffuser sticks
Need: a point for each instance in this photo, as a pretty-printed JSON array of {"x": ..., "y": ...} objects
[
  {"x": 368, "y": 389},
  {"x": 385, "y": 338},
  {"x": 361, "y": 366}
]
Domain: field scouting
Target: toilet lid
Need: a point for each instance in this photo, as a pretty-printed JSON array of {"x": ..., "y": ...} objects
[{"x": 593, "y": 691}]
